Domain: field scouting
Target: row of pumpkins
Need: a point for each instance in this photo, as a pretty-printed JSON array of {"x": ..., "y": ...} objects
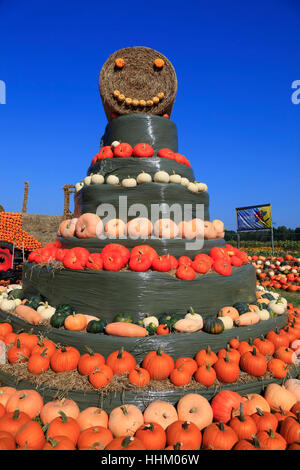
[
  {"x": 36, "y": 309},
  {"x": 160, "y": 176},
  {"x": 273, "y": 353},
  {"x": 228, "y": 422},
  {"x": 90, "y": 225}
]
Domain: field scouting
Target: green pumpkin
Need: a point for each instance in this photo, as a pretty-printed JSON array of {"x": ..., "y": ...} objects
[
  {"x": 58, "y": 319},
  {"x": 151, "y": 328},
  {"x": 168, "y": 319},
  {"x": 34, "y": 301},
  {"x": 125, "y": 317},
  {"x": 16, "y": 294},
  {"x": 96, "y": 326},
  {"x": 242, "y": 307},
  {"x": 268, "y": 296},
  {"x": 213, "y": 326},
  {"x": 65, "y": 309}
]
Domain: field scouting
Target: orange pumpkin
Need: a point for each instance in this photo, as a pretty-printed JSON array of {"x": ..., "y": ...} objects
[
  {"x": 92, "y": 416},
  {"x": 195, "y": 409},
  {"x": 125, "y": 420},
  {"x": 28, "y": 401},
  {"x": 140, "y": 227},
  {"x": 68, "y": 229},
  {"x": 51, "y": 409},
  {"x": 75, "y": 322},
  {"x": 88, "y": 226},
  {"x": 165, "y": 228},
  {"x": 115, "y": 228},
  {"x": 229, "y": 312},
  {"x": 160, "y": 412}
]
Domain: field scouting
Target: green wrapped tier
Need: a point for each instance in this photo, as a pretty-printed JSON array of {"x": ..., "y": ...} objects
[
  {"x": 107, "y": 293},
  {"x": 157, "y": 131},
  {"x": 153, "y": 196}
]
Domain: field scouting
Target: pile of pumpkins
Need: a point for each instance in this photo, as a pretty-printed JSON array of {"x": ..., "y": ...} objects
[
  {"x": 36, "y": 309},
  {"x": 275, "y": 352},
  {"x": 228, "y": 422},
  {"x": 160, "y": 176},
  {"x": 277, "y": 272}
]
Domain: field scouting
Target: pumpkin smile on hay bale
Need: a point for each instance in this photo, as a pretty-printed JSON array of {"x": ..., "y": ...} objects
[{"x": 141, "y": 86}]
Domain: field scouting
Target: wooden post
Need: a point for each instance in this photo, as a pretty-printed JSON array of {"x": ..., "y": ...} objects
[
  {"x": 68, "y": 189},
  {"x": 25, "y": 199}
]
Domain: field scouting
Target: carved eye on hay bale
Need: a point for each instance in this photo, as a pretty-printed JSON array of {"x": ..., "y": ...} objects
[{"x": 142, "y": 84}]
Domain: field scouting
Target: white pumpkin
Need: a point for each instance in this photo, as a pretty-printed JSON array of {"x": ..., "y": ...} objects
[
  {"x": 148, "y": 320},
  {"x": 185, "y": 181},
  {"x": 174, "y": 178},
  {"x": 115, "y": 143},
  {"x": 144, "y": 178},
  {"x": 263, "y": 314},
  {"x": 202, "y": 187},
  {"x": 227, "y": 322},
  {"x": 79, "y": 186},
  {"x": 193, "y": 188},
  {"x": 161, "y": 177},
  {"x": 17, "y": 302},
  {"x": 277, "y": 307},
  {"x": 112, "y": 179},
  {"x": 192, "y": 315},
  {"x": 8, "y": 305},
  {"x": 87, "y": 180},
  {"x": 97, "y": 179},
  {"x": 45, "y": 310},
  {"x": 129, "y": 182}
]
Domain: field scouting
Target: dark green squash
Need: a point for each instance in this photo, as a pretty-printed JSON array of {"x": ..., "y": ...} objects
[
  {"x": 268, "y": 296},
  {"x": 34, "y": 301},
  {"x": 168, "y": 319},
  {"x": 125, "y": 317},
  {"x": 213, "y": 326},
  {"x": 151, "y": 328},
  {"x": 65, "y": 309},
  {"x": 58, "y": 319},
  {"x": 96, "y": 326},
  {"x": 16, "y": 294},
  {"x": 242, "y": 307}
]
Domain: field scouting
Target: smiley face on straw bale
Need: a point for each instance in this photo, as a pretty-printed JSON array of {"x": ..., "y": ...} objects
[{"x": 137, "y": 80}]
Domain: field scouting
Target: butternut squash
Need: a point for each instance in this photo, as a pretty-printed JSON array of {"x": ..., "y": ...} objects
[
  {"x": 125, "y": 329},
  {"x": 246, "y": 319},
  {"x": 28, "y": 314}
]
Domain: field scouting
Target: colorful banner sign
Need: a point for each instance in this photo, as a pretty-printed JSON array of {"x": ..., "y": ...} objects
[{"x": 254, "y": 218}]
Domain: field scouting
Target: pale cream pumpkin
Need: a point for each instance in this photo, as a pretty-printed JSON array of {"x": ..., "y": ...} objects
[
  {"x": 160, "y": 412},
  {"x": 88, "y": 226},
  {"x": 125, "y": 420},
  {"x": 195, "y": 409}
]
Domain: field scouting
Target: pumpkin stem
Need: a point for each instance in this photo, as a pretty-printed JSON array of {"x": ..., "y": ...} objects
[
  {"x": 124, "y": 409},
  {"x": 63, "y": 415},
  {"x": 259, "y": 412},
  {"x": 255, "y": 441},
  {"x": 16, "y": 414},
  {"x": 208, "y": 349},
  {"x": 226, "y": 359},
  {"x": 254, "y": 351},
  {"x": 208, "y": 366},
  {"x": 177, "y": 446},
  {"x": 193, "y": 410},
  {"x": 185, "y": 425},
  {"x": 149, "y": 426},
  {"x": 159, "y": 351},
  {"x": 43, "y": 353},
  {"x": 128, "y": 439},
  {"x": 271, "y": 433},
  {"x": 192, "y": 311},
  {"x": 120, "y": 353},
  {"x": 221, "y": 426},
  {"x": 242, "y": 416},
  {"x": 89, "y": 350}
]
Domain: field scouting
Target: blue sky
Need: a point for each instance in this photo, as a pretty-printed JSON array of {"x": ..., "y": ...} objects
[{"x": 235, "y": 63}]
